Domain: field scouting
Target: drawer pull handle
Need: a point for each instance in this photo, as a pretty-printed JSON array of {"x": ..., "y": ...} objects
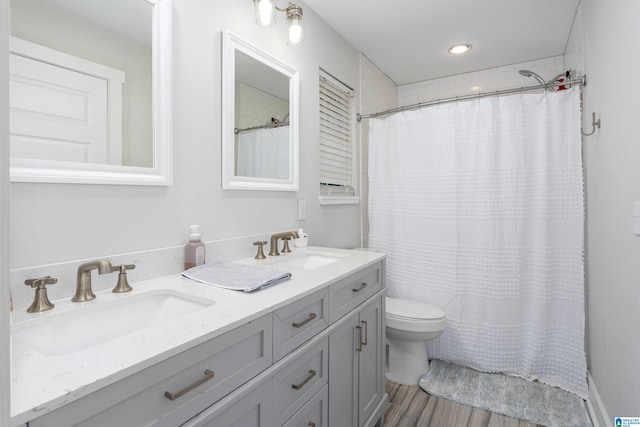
[
  {"x": 362, "y": 286},
  {"x": 311, "y": 424},
  {"x": 312, "y": 374},
  {"x": 366, "y": 334},
  {"x": 307, "y": 320},
  {"x": 359, "y": 328},
  {"x": 207, "y": 376}
]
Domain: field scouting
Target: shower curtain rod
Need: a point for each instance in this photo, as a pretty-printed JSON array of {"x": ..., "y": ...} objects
[
  {"x": 580, "y": 82},
  {"x": 269, "y": 126}
]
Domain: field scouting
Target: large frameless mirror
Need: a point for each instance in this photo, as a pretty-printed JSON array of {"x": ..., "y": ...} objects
[
  {"x": 259, "y": 119},
  {"x": 90, "y": 91}
]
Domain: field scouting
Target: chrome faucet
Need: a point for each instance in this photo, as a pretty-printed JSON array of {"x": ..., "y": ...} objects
[
  {"x": 83, "y": 286},
  {"x": 273, "y": 247}
]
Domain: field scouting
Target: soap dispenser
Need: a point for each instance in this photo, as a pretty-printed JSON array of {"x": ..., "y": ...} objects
[
  {"x": 303, "y": 239},
  {"x": 194, "y": 249}
]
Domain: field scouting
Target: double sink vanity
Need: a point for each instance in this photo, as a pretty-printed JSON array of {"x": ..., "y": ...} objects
[{"x": 306, "y": 352}]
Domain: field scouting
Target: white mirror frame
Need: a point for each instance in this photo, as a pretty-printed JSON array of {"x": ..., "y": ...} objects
[
  {"x": 230, "y": 44},
  {"x": 46, "y": 171}
]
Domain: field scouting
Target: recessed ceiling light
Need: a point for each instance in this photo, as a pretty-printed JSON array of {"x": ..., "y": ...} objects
[{"x": 460, "y": 48}]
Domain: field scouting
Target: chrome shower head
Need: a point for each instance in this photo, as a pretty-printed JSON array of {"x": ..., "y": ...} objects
[{"x": 528, "y": 73}]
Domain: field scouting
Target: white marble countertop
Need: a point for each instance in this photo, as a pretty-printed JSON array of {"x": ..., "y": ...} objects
[{"x": 41, "y": 383}]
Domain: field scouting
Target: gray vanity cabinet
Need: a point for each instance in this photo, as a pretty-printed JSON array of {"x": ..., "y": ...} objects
[
  {"x": 316, "y": 361},
  {"x": 356, "y": 373},
  {"x": 333, "y": 379}
]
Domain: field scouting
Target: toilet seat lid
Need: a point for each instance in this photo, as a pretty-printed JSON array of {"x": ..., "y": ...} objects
[{"x": 412, "y": 310}]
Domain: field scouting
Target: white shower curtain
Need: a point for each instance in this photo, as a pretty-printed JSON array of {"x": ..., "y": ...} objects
[
  {"x": 479, "y": 206},
  {"x": 264, "y": 153}
]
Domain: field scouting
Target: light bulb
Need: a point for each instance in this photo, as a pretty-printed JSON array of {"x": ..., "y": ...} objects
[
  {"x": 460, "y": 48},
  {"x": 295, "y": 32},
  {"x": 265, "y": 13}
]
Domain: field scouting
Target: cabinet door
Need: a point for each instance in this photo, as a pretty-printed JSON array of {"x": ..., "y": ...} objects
[
  {"x": 371, "y": 362},
  {"x": 343, "y": 374},
  {"x": 251, "y": 409},
  {"x": 314, "y": 413}
]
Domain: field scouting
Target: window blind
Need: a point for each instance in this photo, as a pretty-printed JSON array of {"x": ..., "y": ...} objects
[{"x": 336, "y": 138}]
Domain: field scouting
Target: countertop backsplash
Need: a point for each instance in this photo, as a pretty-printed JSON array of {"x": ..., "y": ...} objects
[{"x": 149, "y": 264}]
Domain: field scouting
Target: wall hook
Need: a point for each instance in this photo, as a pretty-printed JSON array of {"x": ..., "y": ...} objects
[{"x": 594, "y": 124}]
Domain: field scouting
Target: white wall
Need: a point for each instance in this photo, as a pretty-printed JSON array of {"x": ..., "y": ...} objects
[
  {"x": 612, "y": 169},
  {"x": 4, "y": 218},
  {"x": 55, "y": 223}
]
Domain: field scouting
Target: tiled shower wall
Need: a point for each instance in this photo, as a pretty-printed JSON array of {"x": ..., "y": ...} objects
[{"x": 488, "y": 80}]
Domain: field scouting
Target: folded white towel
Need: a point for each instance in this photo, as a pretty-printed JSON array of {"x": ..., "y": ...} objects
[{"x": 237, "y": 277}]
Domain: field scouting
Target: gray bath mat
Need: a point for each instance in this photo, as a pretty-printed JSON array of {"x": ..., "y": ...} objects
[{"x": 511, "y": 396}]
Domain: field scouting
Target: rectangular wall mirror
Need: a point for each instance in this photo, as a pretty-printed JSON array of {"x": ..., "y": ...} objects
[
  {"x": 259, "y": 119},
  {"x": 90, "y": 91}
]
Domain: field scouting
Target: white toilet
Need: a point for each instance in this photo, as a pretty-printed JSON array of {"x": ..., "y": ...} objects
[{"x": 409, "y": 325}]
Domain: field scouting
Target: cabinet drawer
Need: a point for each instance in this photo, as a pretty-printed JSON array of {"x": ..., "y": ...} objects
[
  {"x": 194, "y": 379},
  {"x": 348, "y": 293},
  {"x": 250, "y": 408},
  {"x": 314, "y": 413},
  {"x": 299, "y": 321},
  {"x": 299, "y": 380}
]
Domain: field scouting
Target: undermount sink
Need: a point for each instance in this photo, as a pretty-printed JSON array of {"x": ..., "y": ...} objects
[
  {"x": 95, "y": 323},
  {"x": 310, "y": 260}
]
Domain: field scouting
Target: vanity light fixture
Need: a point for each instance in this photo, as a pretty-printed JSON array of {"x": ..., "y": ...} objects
[
  {"x": 460, "y": 48},
  {"x": 265, "y": 11}
]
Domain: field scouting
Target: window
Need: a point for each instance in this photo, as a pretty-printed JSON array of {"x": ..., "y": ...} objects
[{"x": 337, "y": 152}]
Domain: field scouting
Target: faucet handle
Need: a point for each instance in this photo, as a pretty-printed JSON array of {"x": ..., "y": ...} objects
[
  {"x": 123, "y": 284},
  {"x": 285, "y": 247},
  {"x": 41, "y": 301},
  {"x": 41, "y": 282},
  {"x": 260, "y": 244}
]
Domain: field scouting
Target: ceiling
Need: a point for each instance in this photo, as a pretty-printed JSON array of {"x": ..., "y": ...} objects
[{"x": 408, "y": 39}]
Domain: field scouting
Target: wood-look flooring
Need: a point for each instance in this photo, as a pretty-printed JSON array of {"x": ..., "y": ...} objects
[{"x": 410, "y": 406}]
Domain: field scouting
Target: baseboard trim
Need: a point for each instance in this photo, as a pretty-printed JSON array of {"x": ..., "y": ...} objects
[{"x": 595, "y": 406}]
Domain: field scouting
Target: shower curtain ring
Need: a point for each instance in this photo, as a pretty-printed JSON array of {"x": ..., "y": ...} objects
[{"x": 594, "y": 124}]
